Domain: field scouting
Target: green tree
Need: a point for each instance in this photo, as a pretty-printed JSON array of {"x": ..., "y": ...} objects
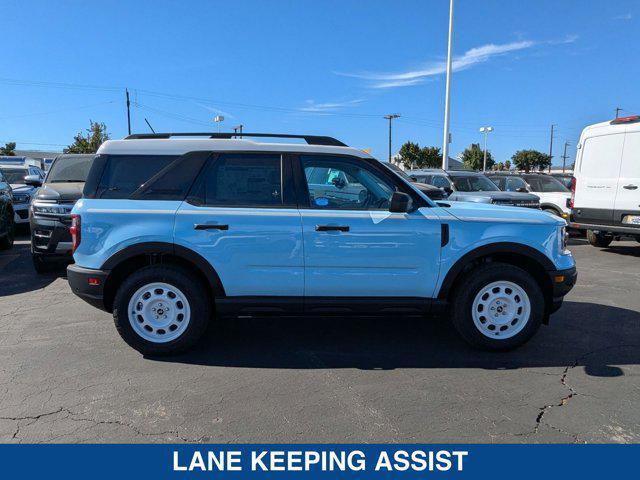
[
  {"x": 498, "y": 166},
  {"x": 409, "y": 154},
  {"x": 9, "y": 149},
  {"x": 89, "y": 143},
  {"x": 528, "y": 160},
  {"x": 430, "y": 157},
  {"x": 507, "y": 164},
  {"x": 473, "y": 157},
  {"x": 412, "y": 156}
]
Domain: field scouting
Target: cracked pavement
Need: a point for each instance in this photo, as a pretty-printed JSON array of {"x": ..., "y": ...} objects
[{"x": 66, "y": 377}]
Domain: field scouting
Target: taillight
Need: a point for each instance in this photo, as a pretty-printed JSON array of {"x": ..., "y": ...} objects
[
  {"x": 573, "y": 191},
  {"x": 75, "y": 232}
]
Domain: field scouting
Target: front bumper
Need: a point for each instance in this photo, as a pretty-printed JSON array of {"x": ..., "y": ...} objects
[
  {"x": 50, "y": 236},
  {"x": 93, "y": 294},
  {"x": 562, "y": 282}
]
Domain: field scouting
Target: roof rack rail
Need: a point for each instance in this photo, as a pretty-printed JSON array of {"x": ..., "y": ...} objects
[{"x": 310, "y": 139}]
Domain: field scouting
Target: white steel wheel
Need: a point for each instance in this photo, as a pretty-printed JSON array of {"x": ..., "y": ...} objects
[
  {"x": 159, "y": 312},
  {"x": 501, "y": 310}
]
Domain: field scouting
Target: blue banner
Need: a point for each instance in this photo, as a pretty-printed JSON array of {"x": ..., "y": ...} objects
[{"x": 352, "y": 461}]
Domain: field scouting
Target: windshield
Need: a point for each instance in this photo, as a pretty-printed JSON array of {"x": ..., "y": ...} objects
[
  {"x": 543, "y": 183},
  {"x": 70, "y": 169},
  {"x": 14, "y": 175},
  {"x": 473, "y": 183}
]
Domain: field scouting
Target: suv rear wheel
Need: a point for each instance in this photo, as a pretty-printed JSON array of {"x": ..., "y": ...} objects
[
  {"x": 599, "y": 239},
  {"x": 161, "y": 310},
  {"x": 497, "y": 307}
]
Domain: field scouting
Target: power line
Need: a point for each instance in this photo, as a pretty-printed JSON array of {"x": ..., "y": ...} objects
[{"x": 53, "y": 112}]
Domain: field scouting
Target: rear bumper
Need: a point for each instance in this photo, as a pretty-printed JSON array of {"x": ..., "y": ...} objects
[
  {"x": 606, "y": 228},
  {"x": 78, "y": 278},
  {"x": 562, "y": 282}
]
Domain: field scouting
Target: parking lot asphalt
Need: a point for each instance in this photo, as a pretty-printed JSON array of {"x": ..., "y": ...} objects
[{"x": 66, "y": 376}]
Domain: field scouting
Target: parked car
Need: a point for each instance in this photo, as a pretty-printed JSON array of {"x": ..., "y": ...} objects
[
  {"x": 24, "y": 181},
  {"x": 606, "y": 186},
  {"x": 6, "y": 214},
  {"x": 554, "y": 196},
  {"x": 50, "y": 217},
  {"x": 171, "y": 231},
  {"x": 468, "y": 186},
  {"x": 564, "y": 178},
  {"x": 434, "y": 193}
]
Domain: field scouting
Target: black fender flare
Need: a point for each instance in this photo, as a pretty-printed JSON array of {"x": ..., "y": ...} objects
[
  {"x": 511, "y": 248},
  {"x": 165, "y": 248}
]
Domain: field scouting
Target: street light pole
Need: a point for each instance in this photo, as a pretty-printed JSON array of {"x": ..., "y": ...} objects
[
  {"x": 486, "y": 131},
  {"x": 391, "y": 118},
  {"x": 218, "y": 119},
  {"x": 445, "y": 147},
  {"x": 551, "y": 148}
]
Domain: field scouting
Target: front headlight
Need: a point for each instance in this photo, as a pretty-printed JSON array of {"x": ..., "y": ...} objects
[
  {"x": 564, "y": 239},
  {"x": 48, "y": 209},
  {"x": 21, "y": 198}
]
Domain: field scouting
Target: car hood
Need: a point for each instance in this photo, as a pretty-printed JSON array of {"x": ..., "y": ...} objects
[
  {"x": 61, "y": 192},
  {"x": 483, "y": 212},
  {"x": 498, "y": 195},
  {"x": 22, "y": 188}
]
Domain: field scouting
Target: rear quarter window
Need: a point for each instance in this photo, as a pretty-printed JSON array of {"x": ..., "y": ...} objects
[{"x": 124, "y": 174}]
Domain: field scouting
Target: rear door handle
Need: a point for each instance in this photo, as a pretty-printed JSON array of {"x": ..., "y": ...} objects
[
  {"x": 210, "y": 226},
  {"x": 332, "y": 228},
  {"x": 630, "y": 187}
]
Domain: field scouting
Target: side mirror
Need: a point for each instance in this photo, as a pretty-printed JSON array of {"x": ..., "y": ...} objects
[
  {"x": 413, "y": 178},
  {"x": 449, "y": 190},
  {"x": 400, "y": 203},
  {"x": 33, "y": 180},
  {"x": 522, "y": 190}
]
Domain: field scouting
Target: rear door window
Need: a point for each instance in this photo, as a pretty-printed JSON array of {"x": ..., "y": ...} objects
[{"x": 241, "y": 180}]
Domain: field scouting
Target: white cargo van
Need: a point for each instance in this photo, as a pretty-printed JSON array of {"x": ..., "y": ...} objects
[{"x": 606, "y": 185}]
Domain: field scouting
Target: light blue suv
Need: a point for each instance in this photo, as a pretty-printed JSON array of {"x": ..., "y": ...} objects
[{"x": 176, "y": 229}]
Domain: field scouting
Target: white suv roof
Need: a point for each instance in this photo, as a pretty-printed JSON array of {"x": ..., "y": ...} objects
[{"x": 164, "y": 144}]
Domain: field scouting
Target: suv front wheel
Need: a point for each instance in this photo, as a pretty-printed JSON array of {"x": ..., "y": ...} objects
[
  {"x": 161, "y": 310},
  {"x": 497, "y": 306}
]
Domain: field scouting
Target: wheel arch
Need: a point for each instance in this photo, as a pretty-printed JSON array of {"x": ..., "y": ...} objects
[
  {"x": 131, "y": 258},
  {"x": 517, "y": 254},
  {"x": 551, "y": 206}
]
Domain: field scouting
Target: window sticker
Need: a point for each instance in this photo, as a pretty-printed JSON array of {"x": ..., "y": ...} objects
[{"x": 322, "y": 201}]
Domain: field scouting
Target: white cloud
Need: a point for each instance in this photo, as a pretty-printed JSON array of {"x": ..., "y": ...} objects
[
  {"x": 214, "y": 110},
  {"x": 313, "y": 107},
  {"x": 625, "y": 17},
  {"x": 470, "y": 58}
]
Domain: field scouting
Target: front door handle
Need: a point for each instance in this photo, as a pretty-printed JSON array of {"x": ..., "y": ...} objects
[
  {"x": 630, "y": 187},
  {"x": 332, "y": 228},
  {"x": 210, "y": 226}
]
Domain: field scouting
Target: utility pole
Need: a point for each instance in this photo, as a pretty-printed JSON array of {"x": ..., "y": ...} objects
[
  {"x": 128, "y": 111},
  {"x": 391, "y": 118},
  {"x": 564, "y": 156},
  {"x": 618, "y": 110},
  {"x": 447, "y": 94},
  {"x": 551, "y": 148}
]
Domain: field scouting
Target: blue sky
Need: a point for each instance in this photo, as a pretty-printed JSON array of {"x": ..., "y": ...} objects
[{"x": 322, "y": 67}]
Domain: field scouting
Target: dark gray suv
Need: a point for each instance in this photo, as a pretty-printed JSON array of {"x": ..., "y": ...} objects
[{"x": 468, "y": 186}]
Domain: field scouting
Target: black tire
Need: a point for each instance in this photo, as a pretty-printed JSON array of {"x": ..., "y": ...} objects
[
  {"x": 599, "y": 239},
  {"x": 195, "y": 293},
  {"x": 552, "y": 211},
  {"x": 469, "y": 287},
  {"x": 6, "y": 241},
  {"x": 40, "y": 264}
]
